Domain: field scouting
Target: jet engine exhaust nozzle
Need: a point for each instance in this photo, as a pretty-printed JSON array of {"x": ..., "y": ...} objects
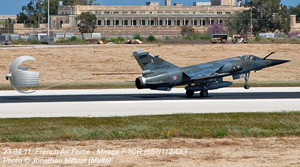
[{"x": 140, "y": 82}]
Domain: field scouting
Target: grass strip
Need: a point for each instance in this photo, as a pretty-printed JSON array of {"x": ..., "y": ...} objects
[
  {"x": 151, "y": 127},
  {"x": 117, "y": 85}
]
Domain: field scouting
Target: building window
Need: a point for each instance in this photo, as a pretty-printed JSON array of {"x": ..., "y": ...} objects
[
  {"x": 116, "y": 12},
  {"x": 227, "y": 13},
  {"x": 99, "y": 22},
  {"x": 185, "y": 13},
  {"x": 159, "y": 13},
  {"x": 168, "y": 13},
  {"x": 178, "y": 22},
  {"x": 106, "y": 12},
  {"x": 117, "y": 22},
  {"x": 142, "y": 13},
  {"x": 124, "y": 12},
  {"x": 186, "y": 22},
  {"x": 108, "y": 22},
  {"x": 212, "y": 22},
  {"x": 134, "y": 22},
  {"x": 219, "y": 13},
  {"x": 221, "y": 21},
  {"x": 133, "y": 12},
  {"x": 143, "y": 22},
  {"x": 169, "y": 22},
  {"x": 98, "y": 12},
  {"x": 152, "y": 22},
  {"x": 177, "y": 13},
  {"x": 203, "y": 22},
  {"x": 211, "y": 13},
  {"x": 160, "y": 22},
  {"x": 202, "y": 13},
  {"x": 195, "y": 22},
  {"x": 125, "y": 22}
]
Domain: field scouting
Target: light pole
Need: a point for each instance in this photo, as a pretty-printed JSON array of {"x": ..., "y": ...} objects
[
  {"x": 48, "y": 22},
  {"x": 252, "y": 7},
  {"x": 147, "y": 22},
  {"x": 39, "y": 15}
]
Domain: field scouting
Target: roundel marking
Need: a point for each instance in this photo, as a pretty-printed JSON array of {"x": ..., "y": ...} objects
[{"x": 174, "y": 77}]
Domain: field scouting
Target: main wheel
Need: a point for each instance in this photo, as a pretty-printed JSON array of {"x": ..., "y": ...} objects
[
  {"x": 189, "y": 93},
  {"x": 247, "y": 87},
  {"x": 204, "y": 93}
]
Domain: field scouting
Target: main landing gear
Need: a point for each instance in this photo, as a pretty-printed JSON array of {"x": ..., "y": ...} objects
[
  {"x": 189, "y": 93},
  {"x": 247, "y": 76},
  {"x": 203, "y": 93}
]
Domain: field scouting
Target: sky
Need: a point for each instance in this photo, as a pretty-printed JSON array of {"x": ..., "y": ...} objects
[{"x": 13, "y": 7}]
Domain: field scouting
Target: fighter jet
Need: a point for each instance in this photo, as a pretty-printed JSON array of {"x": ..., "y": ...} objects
[{"x": 159, "y": 74}]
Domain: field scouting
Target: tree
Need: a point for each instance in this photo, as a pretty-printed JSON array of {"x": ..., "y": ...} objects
[
  {"x": 31, "y": 13},
  {"x": 238, "y": 24},
  {"x": 68, "y": 2},
  {"x": 296, "y": 11},
  {"x": 216, "y": 28},
  {"x": 267, "y": 16},
  {"x": 187, "y": 30},
  {"x": 151, "y": 38},
  {"x": 87, "y": 22},
  {"x": 22, "y": 18},
  {"x": 37, "y": 10},
  {"x": 83, "y": 2},
  {"x": 8, "y": 23}
]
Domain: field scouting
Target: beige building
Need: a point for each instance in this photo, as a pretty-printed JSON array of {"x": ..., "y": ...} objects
[
  {"x": 149, "y": 19},
  {"x": 294, "y": 26},
  {"x": 2, "y": 20},
  {"x": 4, "y": 17}
]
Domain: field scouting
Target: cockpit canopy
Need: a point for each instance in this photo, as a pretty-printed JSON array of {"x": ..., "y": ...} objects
[{"x": 250, "y": 57}]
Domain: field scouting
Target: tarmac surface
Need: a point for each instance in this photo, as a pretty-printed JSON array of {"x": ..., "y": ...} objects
[{"x": 125, "y": 102}]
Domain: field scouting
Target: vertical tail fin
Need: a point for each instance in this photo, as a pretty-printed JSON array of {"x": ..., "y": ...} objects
[{"x": 150, "y": 63}]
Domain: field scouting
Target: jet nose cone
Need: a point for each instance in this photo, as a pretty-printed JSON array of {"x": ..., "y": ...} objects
[{"x": 275, "y": 62}]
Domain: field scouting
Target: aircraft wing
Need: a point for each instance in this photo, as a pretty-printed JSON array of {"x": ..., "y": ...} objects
[
  {"x": 210, "y": 76},
  {"x": 207, "y": 73}
]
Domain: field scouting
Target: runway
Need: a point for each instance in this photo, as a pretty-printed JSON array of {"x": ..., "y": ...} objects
[{"x": 125, "y": 102}]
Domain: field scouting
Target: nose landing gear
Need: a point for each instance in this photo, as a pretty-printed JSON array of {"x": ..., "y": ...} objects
[{"x": 247, "y": 76}]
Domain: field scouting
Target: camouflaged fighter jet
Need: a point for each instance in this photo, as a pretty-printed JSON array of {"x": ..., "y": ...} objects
[{"x": 159, "y": 74}]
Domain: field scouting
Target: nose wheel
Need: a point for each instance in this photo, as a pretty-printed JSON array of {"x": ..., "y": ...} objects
[{"x": 247, "y": 76}]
